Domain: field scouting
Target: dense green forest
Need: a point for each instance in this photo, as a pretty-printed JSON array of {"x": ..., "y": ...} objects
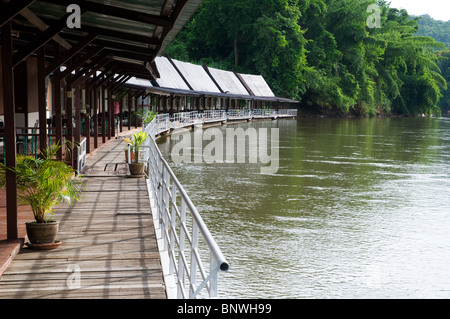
[
  {"x": 339, "y": 55},
  {"x": 438, "y": 30}
]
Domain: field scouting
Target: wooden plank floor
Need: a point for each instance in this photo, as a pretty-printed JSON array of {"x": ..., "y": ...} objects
[{"x": 109, "y": 247}]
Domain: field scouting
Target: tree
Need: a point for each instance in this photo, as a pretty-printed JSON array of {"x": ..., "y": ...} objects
[{"x": 322, "y": 52}]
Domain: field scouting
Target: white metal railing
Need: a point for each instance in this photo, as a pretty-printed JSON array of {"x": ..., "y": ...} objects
[
  {"x": 214, "y": 116},
  {"x": 184, "y": 238},
  {"x": 288, "y": 112},
  {"x": 241, "y": 114},
  {"x": 184, "y": 119},
  {"x": 163, "y": 122}
]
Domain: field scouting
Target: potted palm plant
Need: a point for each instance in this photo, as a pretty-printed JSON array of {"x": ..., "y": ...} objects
[
  {"x": 135, "y": 142},
  {"x": 42, "y": 183}
]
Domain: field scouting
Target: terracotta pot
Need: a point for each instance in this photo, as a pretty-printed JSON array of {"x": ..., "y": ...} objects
[
  {"x": 136, "y": 169},
  {"x": 126, "y": 156},
  {"x": 42, "y": 233}
]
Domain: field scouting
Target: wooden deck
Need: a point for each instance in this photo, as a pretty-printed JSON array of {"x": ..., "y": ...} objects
[{"x": 109, "y": 248}]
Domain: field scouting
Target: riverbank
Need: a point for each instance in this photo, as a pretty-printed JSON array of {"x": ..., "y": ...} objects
[{"x": 305, "y": 111}]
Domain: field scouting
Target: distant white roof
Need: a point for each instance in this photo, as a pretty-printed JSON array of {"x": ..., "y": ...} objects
[
  {"x": 197, "y": 77},
  {"x": 170, "y": 78},
  {"x": 228, "y": 81},
  {"x": 258, "y": 85},
  {"x": 139, "y": 82}
]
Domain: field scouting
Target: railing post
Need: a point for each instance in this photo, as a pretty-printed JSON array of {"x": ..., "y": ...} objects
[
  {"x": 213, "y": 282},
  {"x": 180, "y": 274},
  {"x": 194, "y": 247},
  {"x": 172, "y": 227},
  {"x": 163, "y": 209}
]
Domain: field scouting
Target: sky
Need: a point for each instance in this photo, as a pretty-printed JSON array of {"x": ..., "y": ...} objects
[{"x": 437, "y": 9}]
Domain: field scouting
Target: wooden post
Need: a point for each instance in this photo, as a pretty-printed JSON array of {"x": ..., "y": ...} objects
[
  {"x": 121, "y": 114},
  {"x": 110, "y": 112},
  {"x": 96, "y": 105},
  {"x": 103, "y": 102},
  {"x": 10, "y": 130},
  {"x": 69, "y": 136},
  {"x": 77, "y": 133},
  {"x": 129, "y": 110},
  {"x": 87, "y": 123},
  {"x": 42, "y": 104},
  {"x": 57, "y": 106},
  {"x": 134, "y": 103}
]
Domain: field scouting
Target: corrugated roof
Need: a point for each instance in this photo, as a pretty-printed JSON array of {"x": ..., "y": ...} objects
[
  {"x": 197, "y": 77},
  {"x": 131, "y": 32},
  {"x": 169, "y": 76},
  {"x": 258, "y": 85},
  {"x": 171, "y": 82},
  {"x": 228, "y": 81}
]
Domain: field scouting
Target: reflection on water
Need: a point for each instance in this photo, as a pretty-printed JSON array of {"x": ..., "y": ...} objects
[{"x": 358, "y": 209}]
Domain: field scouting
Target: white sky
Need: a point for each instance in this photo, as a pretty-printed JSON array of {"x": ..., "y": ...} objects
[{"x": 437, "y": 9}]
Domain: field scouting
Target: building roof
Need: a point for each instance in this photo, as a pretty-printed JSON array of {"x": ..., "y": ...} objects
[
  {"x": 187, "y": 79},
  {"x": 258, "y": 85},
  {"x": 228, "y": 81},
  {"x": 169, "y": 76},
  {"x": 196, "y": 77},
  {"x": 130, "y": 33}
]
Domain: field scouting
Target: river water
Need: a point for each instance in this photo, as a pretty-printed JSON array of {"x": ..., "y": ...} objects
[{"x": 359, "y": 208}]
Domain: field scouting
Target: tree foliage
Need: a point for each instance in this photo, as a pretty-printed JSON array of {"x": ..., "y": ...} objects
[{"x": 322, "y": 52}]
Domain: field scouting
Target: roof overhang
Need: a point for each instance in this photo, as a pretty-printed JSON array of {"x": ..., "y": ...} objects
[{"x": 130, "y": 33}]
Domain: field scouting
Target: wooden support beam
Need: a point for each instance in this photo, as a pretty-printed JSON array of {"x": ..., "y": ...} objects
[
  {"x": 95, "y": 116},
  {"x": 10, "y": 129},
  {"x": 90, "y": 69},
  {"x": 38, "y": 23},
  {"x": 120, "y": 82},
  {"x": 69, "y": 53},
  {"x": 77, "y": 131},
  {"x": 130, "y": 96},
  {"x": 58, "y": 108},
  {"x": 138, "y": 57},
  {"x": 123, "y": 35},
  {"x": 40, "y": 40},
  {"x": 69, "y": 113},
  {"x": 12, "y": 8},
  {"x": 42, "y": 103},
  {"x": 104, "y": 81},
  {"x": 121, "y": 115},
  {"x": 161, "y": 31},
  {"x": 110, "y": 113},
  {"x": 103, "y": 104},
  {"x": 117, "y": 12},
  {"x": 80, "y": 60}
]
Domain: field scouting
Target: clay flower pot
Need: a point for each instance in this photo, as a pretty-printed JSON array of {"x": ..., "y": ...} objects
[
  {"x": 42, "y": 233},
  {"x": 136, "y": 169}
]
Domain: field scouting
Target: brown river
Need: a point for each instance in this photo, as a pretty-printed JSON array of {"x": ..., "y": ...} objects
[{"x": 358, "y": 208}]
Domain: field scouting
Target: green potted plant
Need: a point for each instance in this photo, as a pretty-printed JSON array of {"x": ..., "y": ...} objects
[
  {"x": 42, "y": 183},
  {"x": 136, "y": 141},
  {"x": 146, "y": 116}
]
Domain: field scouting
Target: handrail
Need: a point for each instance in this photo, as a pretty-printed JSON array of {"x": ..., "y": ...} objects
[
  {"x": 183, "y": 233},
  {"x": 183, "y": 236}
]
